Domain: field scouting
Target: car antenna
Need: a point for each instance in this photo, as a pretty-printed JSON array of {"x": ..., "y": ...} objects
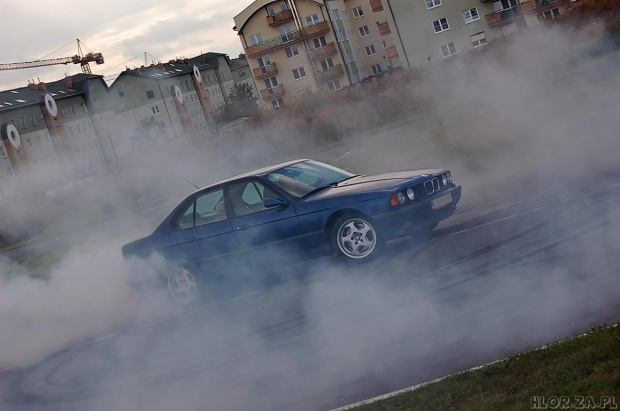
[{"x": 192, "y": 184}]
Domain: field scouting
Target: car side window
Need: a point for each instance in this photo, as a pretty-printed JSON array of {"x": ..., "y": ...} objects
[
  {"x": 247, "y": 197},
  {"x": 186, "y": 218},
  {"x": 210, "y": 207}
]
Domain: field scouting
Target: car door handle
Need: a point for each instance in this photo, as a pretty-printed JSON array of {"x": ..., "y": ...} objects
[
  {"x": 190, "y": 239},
  {"x": 243, "y": 227}
]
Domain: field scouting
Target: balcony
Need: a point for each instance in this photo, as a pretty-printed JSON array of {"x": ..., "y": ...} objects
[
  {"x": 547, "y": 4},
  {"x": 261, "y": 73},
  {"x": 331, "y": 73},
  {"x": 504, "y": 16},
  {"x": 272, "y": 93},
  {"x": 376, "y": 6},
  {"x": 384, "y": 28},
  {"x": 325, "y": 51},
  {"x": 528, "y": 6},
  {"x": 280, "y": 18},
  {"x": 391, "y": 52},
  {"x": 286, "y": 39}
]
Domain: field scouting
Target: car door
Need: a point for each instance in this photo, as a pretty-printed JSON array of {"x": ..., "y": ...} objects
[
  {"x": 262, "y": 233},
  {"x": 204, "y": 232}
]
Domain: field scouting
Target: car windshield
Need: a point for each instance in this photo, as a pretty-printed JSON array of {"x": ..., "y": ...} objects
[{"x": 300, "y": 179}]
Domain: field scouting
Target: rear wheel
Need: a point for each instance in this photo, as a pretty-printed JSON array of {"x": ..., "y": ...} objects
[
  {"x": 355, "y": 237},
  {"x": 183, "y": 285}
]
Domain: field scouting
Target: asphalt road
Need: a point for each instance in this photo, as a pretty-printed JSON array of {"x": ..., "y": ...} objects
[{"x": 492, "y": 280}]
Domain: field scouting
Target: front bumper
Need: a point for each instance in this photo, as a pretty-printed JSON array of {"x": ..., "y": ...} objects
[{"x": 410, "y": 217}]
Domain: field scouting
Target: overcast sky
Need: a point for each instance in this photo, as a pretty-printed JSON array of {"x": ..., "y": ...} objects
[{"x": 119, "y": 29}]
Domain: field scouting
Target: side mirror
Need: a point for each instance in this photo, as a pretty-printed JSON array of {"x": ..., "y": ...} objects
[{"x": 272, "y": 202}]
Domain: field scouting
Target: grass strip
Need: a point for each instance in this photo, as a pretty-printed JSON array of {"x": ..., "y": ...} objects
[{"x": 584, "y": 368}]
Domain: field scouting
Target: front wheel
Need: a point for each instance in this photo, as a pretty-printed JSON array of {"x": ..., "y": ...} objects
[
  {"x": 354, "y": 237},
  {"x": 183, "y": 285}
]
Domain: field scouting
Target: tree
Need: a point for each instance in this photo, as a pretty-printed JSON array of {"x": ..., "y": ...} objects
[{"x": 241, "y": 103}]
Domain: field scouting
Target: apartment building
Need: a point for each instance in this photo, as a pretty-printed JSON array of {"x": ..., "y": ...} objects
[
  {"x": 427, "y": 31},
  {"x": 48, "y": 138},
  {"x": 291, "y": 49},
  {"x": 241, "y": 73},
  {"x": 299, "y": 46},
  {"x": 364, "y": 37}
]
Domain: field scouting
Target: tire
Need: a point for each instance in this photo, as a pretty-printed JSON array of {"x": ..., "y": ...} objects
[
  {"x": 355, "y": 238},
  {"x": 184, "y": 284}
]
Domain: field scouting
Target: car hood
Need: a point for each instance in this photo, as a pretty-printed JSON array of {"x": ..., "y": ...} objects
[{"x": 377, "y": 183}]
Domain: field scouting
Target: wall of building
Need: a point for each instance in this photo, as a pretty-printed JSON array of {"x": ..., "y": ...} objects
[{"x": 414, "y": 22}]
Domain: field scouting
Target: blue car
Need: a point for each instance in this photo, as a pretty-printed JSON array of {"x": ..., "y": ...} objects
[{"x": 293, "y": 210}]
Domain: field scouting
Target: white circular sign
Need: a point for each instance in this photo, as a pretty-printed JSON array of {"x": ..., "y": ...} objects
[
  {"x": 197, "y": 74},
  {"x": 177, "y": 93},
  {"x": 50, "y": 104},
  {"x": 13, "y": 135}
]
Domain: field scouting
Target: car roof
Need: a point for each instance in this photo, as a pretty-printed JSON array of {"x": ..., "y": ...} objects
[{"x": 255, "y": 173}]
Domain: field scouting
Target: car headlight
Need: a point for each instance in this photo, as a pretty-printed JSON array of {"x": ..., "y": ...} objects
[
  {"x": 449, "y": 176},
  {"x": 410, "y": 194},
  {"x": 444, "y": 179},
  {"x": 397, "y": 199}
]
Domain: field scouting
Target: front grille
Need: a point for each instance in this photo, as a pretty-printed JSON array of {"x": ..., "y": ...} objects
[{"x": 432, "y": 185}]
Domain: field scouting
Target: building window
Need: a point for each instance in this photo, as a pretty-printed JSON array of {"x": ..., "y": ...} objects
[
  {"x": 150, "y": 94},
  {"x": 320, "y": 42},
  {"x": 23, "y": 123},
  {"x": 155, "y": 110},
  {"x": 370, "y": 50},
  {"x": 33, "y": 121},
  {"x": 358, "y": 12},
  {"x": 65, "y": 113},
  {"x": 256, "y": 39},
  {"x": 551, "y": 14},
  {"x": 241, "y": 73},
  {"x": 376, "y": 69},
  {"x": 39, "y": 142},
  {"x": 277, "y": 103},
  {"x": 71, "y": 131},
  {"x": 432, "y": 3},
  {"x": 119, "y": 88},
  {"x": 448, "y": 49},
  {"x": 364, "y": 31},
  {"x": 29, "y": 141},
  {"x": 291, "y": 51},
  {"x": 471, "y": 15},
  {"x": 73, "y": 111},
  {"x": 327, "y": 63},
  {"x": 299, "y": 73},
  {"x": 441, "y": 25},
  {"x": 186, "y": 85},
  {"x": 2, "y": 152},
  {"x": 478, "y": 40},
  {"x": 84, "y": 108},
  {"x": 57, "y": 122},
  {"x": 312, "y": 20},
  {"x": 334, "y": 85},
  {"x": 384, "y": 44}
]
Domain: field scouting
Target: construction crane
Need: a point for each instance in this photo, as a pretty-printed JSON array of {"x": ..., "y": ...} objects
[{"x": 80, "y": 58}]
